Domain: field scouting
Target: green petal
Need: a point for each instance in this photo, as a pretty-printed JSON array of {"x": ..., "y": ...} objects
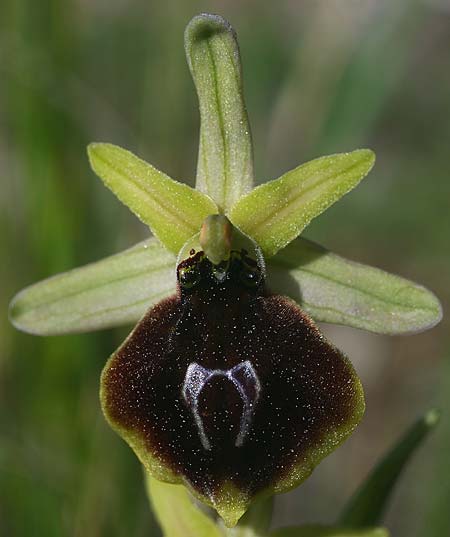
[
  {"x": 276, "y": 212},
  {"x": 177, "y": 515},
  {"x": 324, "y": 531},
  {"x": 174, "y": 211},
  {"x": 114, "y": 291},
  {"x": 366, "y": 507},
  {"x": 225, "y": 161},
  {"x": 335, "y": 290}
]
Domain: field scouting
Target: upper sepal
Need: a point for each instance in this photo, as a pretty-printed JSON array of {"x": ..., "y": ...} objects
[{"x": 225, "y": 157}]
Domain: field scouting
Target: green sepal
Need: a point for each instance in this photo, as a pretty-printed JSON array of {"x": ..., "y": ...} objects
[
  {"x": 225, "y": 159},
  {"x": 114, "y": 291},
  {"x": 119, "y": 289},
  {"x": 328, "y": 531},
  {"x": 176, "y": 511},
  {"x": 173, "y": 211},
  {"x": 367, "y": 505},
  {"x": 336, "y": 290},
  {"x": 276, "y": 212}
]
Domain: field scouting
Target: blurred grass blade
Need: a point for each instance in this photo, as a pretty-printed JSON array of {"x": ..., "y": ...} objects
[
  {"x": 434, "y": 517},
  {"x": 276, "y": 212},
  {"x": 174, "y": 211},
  {"x": 325, "y": 531},
  {"x": 114, "y": 291},
  {"x": 336, "y": 290},
  {"x": 177, "y": 515},
  {"x": 225, "y": 160},
  {"x": 367, "y": 505}
]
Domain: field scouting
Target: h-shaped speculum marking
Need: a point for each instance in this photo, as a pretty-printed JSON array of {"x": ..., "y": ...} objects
[{"x": 243, "y": 377}]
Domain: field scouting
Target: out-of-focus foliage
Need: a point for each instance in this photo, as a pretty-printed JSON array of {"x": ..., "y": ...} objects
[
  {"x": 367, "y": 506},
  {"x": 321, "y": 77}
]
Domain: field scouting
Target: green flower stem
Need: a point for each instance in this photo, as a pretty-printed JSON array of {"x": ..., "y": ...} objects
[
  {"x": 225, "y": 158},
  {"x": 176, "y": 513},
  {"x": 180, "y": 516}
]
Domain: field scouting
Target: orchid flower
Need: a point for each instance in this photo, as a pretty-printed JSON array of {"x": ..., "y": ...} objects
[{"x": 226, "y": 384}]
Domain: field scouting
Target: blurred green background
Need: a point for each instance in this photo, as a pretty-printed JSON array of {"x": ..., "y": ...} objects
[{"x": 321, "y": 77}]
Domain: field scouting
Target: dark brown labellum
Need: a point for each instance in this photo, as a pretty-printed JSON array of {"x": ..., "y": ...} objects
[{"x": 228, "y": 388}]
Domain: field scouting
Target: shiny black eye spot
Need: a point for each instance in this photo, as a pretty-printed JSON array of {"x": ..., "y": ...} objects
[
  {"x": 188, "y": 277},
  {"x": 192, "y": 251},
  {"x": 249, "y": 277}
]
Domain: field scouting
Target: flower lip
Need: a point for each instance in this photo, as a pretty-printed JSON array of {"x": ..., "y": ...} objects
[{"x": 273, "y": 397}]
